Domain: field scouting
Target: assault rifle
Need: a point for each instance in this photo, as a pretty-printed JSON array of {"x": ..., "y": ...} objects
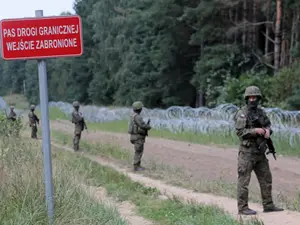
[
  {"x": 84, "y": 124},
  {"x": 268, "y": 143},
  {"x": 36, "y": 118},
  {"x": 264, "y": 143},
  {"x": 147, "y": 124}
]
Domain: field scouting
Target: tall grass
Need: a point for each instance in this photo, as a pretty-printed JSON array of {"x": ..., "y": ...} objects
[
  {"x": 165, "y": 212},
  {"x": 22, "y": 195}
]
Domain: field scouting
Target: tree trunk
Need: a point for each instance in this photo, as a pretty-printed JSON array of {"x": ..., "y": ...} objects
[
  {"x": 236, "y": 18},
  {"x": 294, "y": 35},
  {"x": 284, "y": 47},
  {"x": 245, "y": 19},
  {"x": 277, "y": 36},
  {"x": 254, "y": 29},
  {"x": 267, "y": 28}
]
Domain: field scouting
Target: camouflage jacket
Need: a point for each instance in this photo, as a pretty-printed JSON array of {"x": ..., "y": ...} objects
[
  {"x": 33, "y": 119},
  {"x": 78, "y": 120},
  {"x": 12, "y": 116},
  {"x": 137, "y": 128},
  {"x": 245, "y": 123}
]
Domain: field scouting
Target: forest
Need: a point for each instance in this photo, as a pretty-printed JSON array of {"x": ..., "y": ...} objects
[{"x": 173, "y": 52}]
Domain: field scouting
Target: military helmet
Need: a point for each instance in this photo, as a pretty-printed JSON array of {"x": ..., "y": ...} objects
[
  {"x": 32, "y": 107},
  {"x": 76, "y": 104},
  {"x": 137, "y": 105},
  {"x": 252, "y": 91}
]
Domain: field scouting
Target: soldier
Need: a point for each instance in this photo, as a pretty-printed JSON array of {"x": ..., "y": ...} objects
[
  {"x": 78, "y": 120},
  {"x": 33, "y": 120},
  {"x": 250, "y": 157},
  {"x": 138, "y": 131},
  {"x": 12, "y": 115}
]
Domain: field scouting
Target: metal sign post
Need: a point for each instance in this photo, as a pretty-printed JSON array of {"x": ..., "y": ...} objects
[
  {"x": 42, "y": 71},
  {"x": 40, "y": 38}
]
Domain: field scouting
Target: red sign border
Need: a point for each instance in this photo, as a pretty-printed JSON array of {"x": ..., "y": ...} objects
[{"x": 41, "y": 18}]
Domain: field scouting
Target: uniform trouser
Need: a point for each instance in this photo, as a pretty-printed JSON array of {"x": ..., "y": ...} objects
[
  {"x": 33, "y": 131},
  {"x": 76, "y": 139},
  {"x": 138, "y": 152},
  {"x": 247, "y": 162}
]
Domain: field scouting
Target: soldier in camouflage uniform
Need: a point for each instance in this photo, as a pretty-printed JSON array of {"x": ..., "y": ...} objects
[
  {"x": 12, "y": 115},
  {"x": 249, "y": 156},
  {"x": 138, "y": 131},
  {"x": 78, "y": 120},
  {"x": 33, "y": 121}
]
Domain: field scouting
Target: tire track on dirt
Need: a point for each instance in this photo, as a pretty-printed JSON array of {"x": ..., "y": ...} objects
[
  {"x": 125, "y": 208},
  {"x": 279, "y": 218},
  {"x": 200, "y": 162}
]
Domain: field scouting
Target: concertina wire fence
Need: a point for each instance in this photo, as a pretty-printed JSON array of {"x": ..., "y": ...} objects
[{"x": 179, "y": 119}]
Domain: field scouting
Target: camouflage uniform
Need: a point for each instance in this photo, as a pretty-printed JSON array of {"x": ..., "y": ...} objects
[
  {"x": 78, "y": 120},
  {"x": 33, "y": 121},
  {"x": 12, "y": 115},
  {"x": 249, "y": 156},
  {"x": 138, "y": 131}
]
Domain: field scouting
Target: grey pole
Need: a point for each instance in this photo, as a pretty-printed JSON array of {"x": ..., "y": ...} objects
[{"x": 46, "y": 133}]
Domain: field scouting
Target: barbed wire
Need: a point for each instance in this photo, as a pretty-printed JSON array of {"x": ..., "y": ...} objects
[{"x": 178, "y": 119}]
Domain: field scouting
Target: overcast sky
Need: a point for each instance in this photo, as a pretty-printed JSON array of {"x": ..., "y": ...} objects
[{"x": 26, "y": 8}]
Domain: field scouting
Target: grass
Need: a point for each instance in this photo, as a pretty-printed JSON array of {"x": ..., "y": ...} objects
[
  {"x": 149, "y": 205},
  {"x": 172, "y": 175},
  {"x": 220, "y": 139},
  {"x": 19, "y": 101},
  {"x": 22, "y": 196},
  {"x": 109, "y": 151}
]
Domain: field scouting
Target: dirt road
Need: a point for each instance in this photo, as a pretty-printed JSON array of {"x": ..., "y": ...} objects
[
  {"x": 203, "y": 163},
  {"x": 279, "y": 218}
]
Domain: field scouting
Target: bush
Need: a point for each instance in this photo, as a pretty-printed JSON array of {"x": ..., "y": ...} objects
[
  {"x": 235, "y": 87},
  {"x": 10, "y": 128},
  {"x": 284, "y": 86}
]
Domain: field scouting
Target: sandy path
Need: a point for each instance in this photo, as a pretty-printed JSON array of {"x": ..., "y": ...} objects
[
  {"x": 280, "y": 218},
  {"x": 201, "y": 162},
  {"x": 125, "y": 208}
]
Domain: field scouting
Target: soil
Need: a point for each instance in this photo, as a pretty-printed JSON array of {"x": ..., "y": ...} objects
[{"x": 203, "y": 162}]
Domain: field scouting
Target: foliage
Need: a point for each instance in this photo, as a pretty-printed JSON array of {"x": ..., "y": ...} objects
[
  {"x": 235, "y": 87},
  {"x": 10, "y": 128},
  {"x": 22, "y": 192},
  {"x": 169, "y": 211}
]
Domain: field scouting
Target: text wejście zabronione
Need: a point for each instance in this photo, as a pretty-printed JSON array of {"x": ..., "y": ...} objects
[{"x": 41, "y": 31}]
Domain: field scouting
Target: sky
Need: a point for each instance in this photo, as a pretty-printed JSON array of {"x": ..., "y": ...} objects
[{"x": 26, "y": 8}]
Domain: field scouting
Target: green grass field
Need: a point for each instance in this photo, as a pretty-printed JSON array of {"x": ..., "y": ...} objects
[
  {"x": 171, "y": 175},
  {"x": 149, "y": 205},
  {"x": 23, "y": 201},
  {"x": 22, "y": 196},
  {"x": 18, "y": 101},
  {"x": 281, "y": 143}
]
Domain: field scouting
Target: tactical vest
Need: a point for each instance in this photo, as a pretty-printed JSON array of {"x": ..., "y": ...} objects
[{"x": 132, "y": 126}]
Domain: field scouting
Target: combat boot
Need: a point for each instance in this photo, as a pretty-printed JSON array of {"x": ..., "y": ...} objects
[
  {"x": 138, "y": 168},
  {"x": 247, "y": 212},
  {"x": 75, "y": 148},
  {"x": 272, "y": 209}
]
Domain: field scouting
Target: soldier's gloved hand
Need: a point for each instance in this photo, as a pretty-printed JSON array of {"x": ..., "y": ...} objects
[
  {"x": 267, "y": 134},
  {"x": 260, "y": 131}
]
